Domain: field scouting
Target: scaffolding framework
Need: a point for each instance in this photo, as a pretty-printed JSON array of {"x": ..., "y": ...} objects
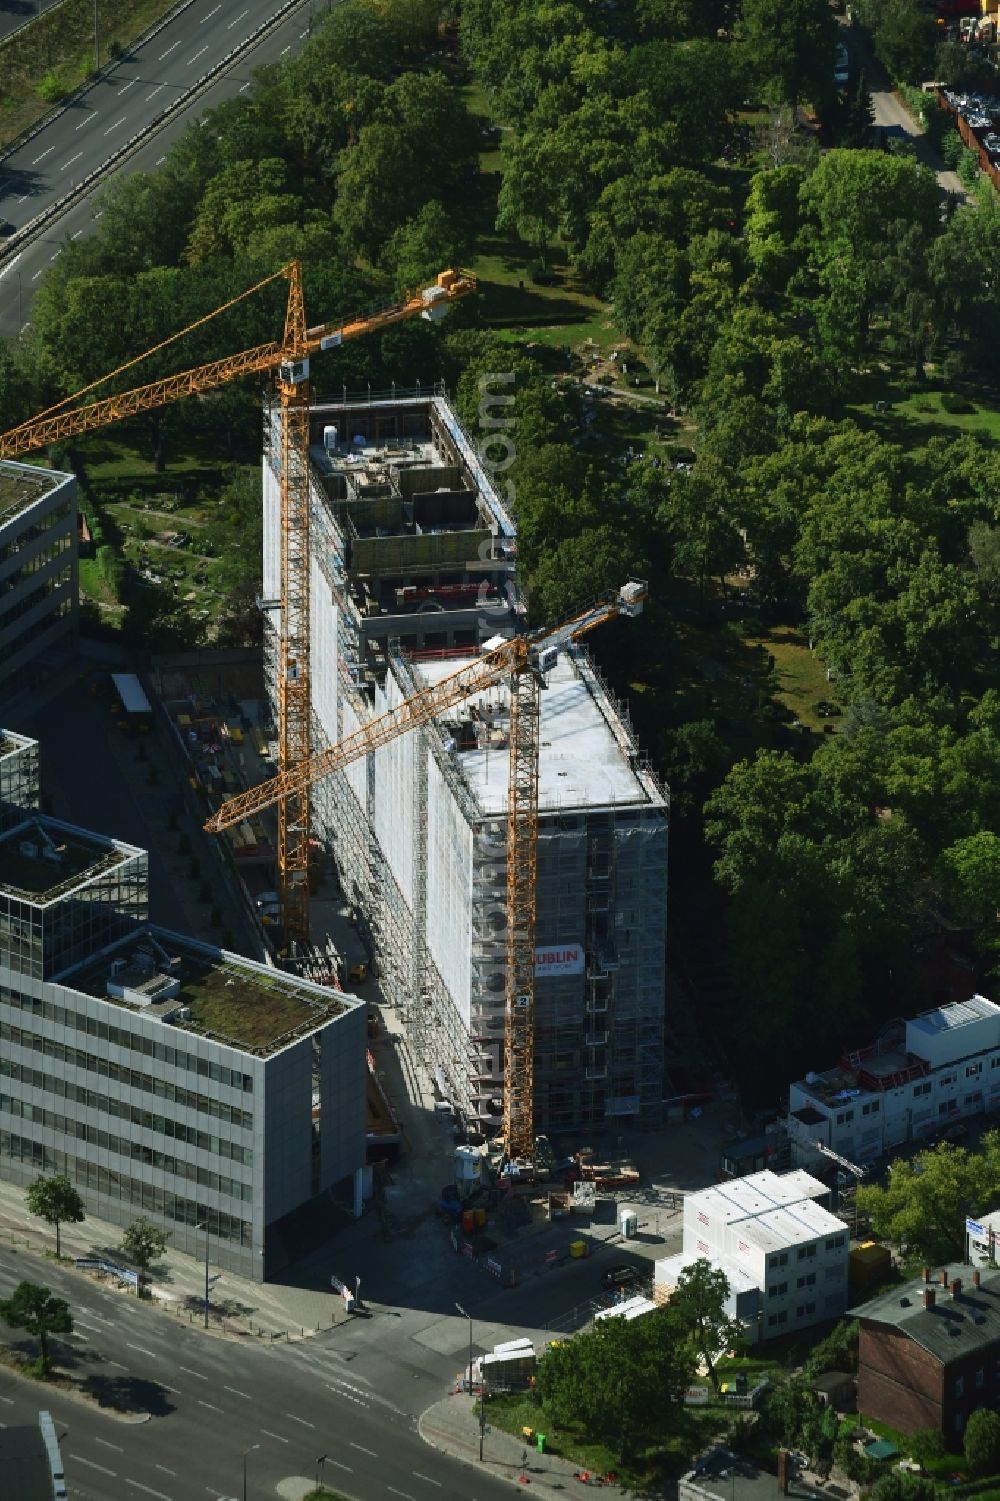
[{"x": 522, "y": 902}]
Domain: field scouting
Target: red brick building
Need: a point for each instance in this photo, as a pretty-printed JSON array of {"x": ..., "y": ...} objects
[{"x": 929, "y": 1352}]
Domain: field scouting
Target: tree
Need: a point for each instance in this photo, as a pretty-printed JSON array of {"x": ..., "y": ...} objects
[
  {"x": 36, "y": 1310},
  {"x": 621, "y": 1383},
  {"x": 860, "y": 115},
  {"x": 55, "y": 1201},
  {"x": 790, "y": 47},
  {"x": 700, "y": 1301},
  {"x": 981, "y": 1442},
  {"x": 143, "y": 1242},
  {"x": 925, "y": 1202}
]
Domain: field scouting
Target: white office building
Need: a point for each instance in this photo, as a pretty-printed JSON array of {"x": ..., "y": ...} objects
[
  {"x": 413, "y": 569},
  {"x": 38, "y": 571},
  {"x": 783, "y": 1253},
  {"x": 918, "y": 1078}
]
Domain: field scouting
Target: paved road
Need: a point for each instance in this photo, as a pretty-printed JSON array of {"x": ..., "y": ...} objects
[
  {"x": 14, "y": 13},
  {"x": 891, "y": 117},
  {"x": 212, "y": 1401},
  {"x": 115, "y": 109}
]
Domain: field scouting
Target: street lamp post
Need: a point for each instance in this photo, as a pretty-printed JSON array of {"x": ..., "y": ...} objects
[
  {"x": 320, "y": 1462},
  {"x": 205, "y": 1228},
  {"x": 245, "y": 1453},
  {"x": 482, "y": 1411}
]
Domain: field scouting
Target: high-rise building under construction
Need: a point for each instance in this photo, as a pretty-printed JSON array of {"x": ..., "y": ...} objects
[{"x": 413, "y": 568}]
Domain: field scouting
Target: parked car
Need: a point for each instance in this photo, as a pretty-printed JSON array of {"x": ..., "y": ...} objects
[{"x": 621, "y": 1276}]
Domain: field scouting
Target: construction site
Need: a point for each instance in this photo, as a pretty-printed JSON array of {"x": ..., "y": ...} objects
[{"x": 498, "y": 833}]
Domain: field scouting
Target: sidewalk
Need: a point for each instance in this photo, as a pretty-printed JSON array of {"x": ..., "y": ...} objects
[
  {"x": 452, "y": 1425},
  {"x": 238, "y": 1308}
]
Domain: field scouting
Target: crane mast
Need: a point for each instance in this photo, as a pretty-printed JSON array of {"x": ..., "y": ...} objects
[
  {"x": 290, "y": 358},
  {"x": 521, "y": 662},
  {"x": 294, "y": 695}
]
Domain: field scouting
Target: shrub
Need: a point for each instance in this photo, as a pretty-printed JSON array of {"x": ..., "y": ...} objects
[
  {"x": 51, "y": 88},
  {"x": 982, "y": 1441},
  {"x": 958, "y": 406}
]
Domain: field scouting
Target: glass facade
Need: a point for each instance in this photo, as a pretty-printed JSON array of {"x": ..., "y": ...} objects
[
  {"x": 18, "y": 778},
  {"x": 44, "y": 931},
  {"x": 38, "y": 571}
]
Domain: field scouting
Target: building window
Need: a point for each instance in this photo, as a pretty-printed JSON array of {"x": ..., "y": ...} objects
[
  {"x": 804, "y": 1309},
  {"x": 919, "y": 1089},
  {"x": 781, "y": 1259},
  {"x": 809, "y": 1280},
  {"x": 959, "y": 1386},
  {"x": 805, "y": 1252},
  {"x": 774, "y": 1319},
  {"x": 778, "y": 1290},
  {"x": 948, "y": 1079},
  {"x": 845, "y": 1117},
  {"x": 871, "y": 1108},
  {"x": 973, "y": 1070}
]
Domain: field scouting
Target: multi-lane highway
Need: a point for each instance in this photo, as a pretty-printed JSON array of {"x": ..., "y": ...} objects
[
  {"x": 14, "y": 13},
  {"x": 213, "y": 1401},
  {"x": 114, "y": 109}
]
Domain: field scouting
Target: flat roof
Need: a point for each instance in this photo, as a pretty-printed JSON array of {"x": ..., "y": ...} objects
[
  {"x": 582, "y": 763},
  {"x": 234, "y": 1001},
  {"x": 775, "y": 1231},
  {"x": 11, "y": 741},
  {"x": 21, "y": 485},
  {"x": 43, "y": 858},
  {"x": 957, "y": 1014},
  {"x": 131, "y": 693},
  {"x": 788, "y": 1188}
]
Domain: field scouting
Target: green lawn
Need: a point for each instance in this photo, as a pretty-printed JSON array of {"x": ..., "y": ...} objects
[
  {"x": 799, "y": 680},
  {"x": 700, "y": 1426},
  {"x": 914, "y": 413}
]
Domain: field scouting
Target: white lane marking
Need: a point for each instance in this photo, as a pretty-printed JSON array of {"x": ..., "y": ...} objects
[
  {"x": 336, "y": 1463},
  {"x": 155, "y": 91},
  {"x": 73, "y": 1335},
  {"x": 214, "y": 1408},
  {"x": 370, "y": 1452},
  {"x": 72, "y": 160},
  {"x": 142, "y": 1350},
  {"x": 76, "y": 235},
  {"x": 9, "y": 1401},
  {"x": 239, "y": 18},
  {"x": 305, "y": 1423},
  {"x": 87, "y": 119},
  {"x": 140, "y": 1487},
  {"x": 170, "y": 49},
  {"x": 210, "y": 15},
  {"x": 115, "y": 125},
  {"x": 25, "y": 198},
  {"x": 243, "y": 89},
  {"x": 189, "y": 1372},
  {"x": 127, "y": 87},
  {"x": 237, "y": 1393},
  {"x": 197, "y": 55},
  {"x": 55, "y": 254},
  {"x": 285, "y": 49},
  {"x": 43, "y": 156},
  {"x": 430, "y": 1480},
  {"x": 107, "y": 1444},
  {"x": 174, "y": 1472},
  {"x": 37, "y": 274},
  {"x": 116, "y": 1363},
  {"x": 339, "y": 1392},
  {"x": 406, "y": 1494},
  {"x": 100, "y": 211},
  {"x": 168, "y": 1388},
  {"x": 91, "y": 1465},
  {"x": 159, "y": 161},
  {"x": 302, "y": 34},
  {"x": 263, "y": 1430}
]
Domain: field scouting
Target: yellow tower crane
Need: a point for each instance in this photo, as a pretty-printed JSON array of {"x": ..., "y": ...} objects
[
  {"x": 289, "y": 356},
  {"x": 522, "y": 662}
]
